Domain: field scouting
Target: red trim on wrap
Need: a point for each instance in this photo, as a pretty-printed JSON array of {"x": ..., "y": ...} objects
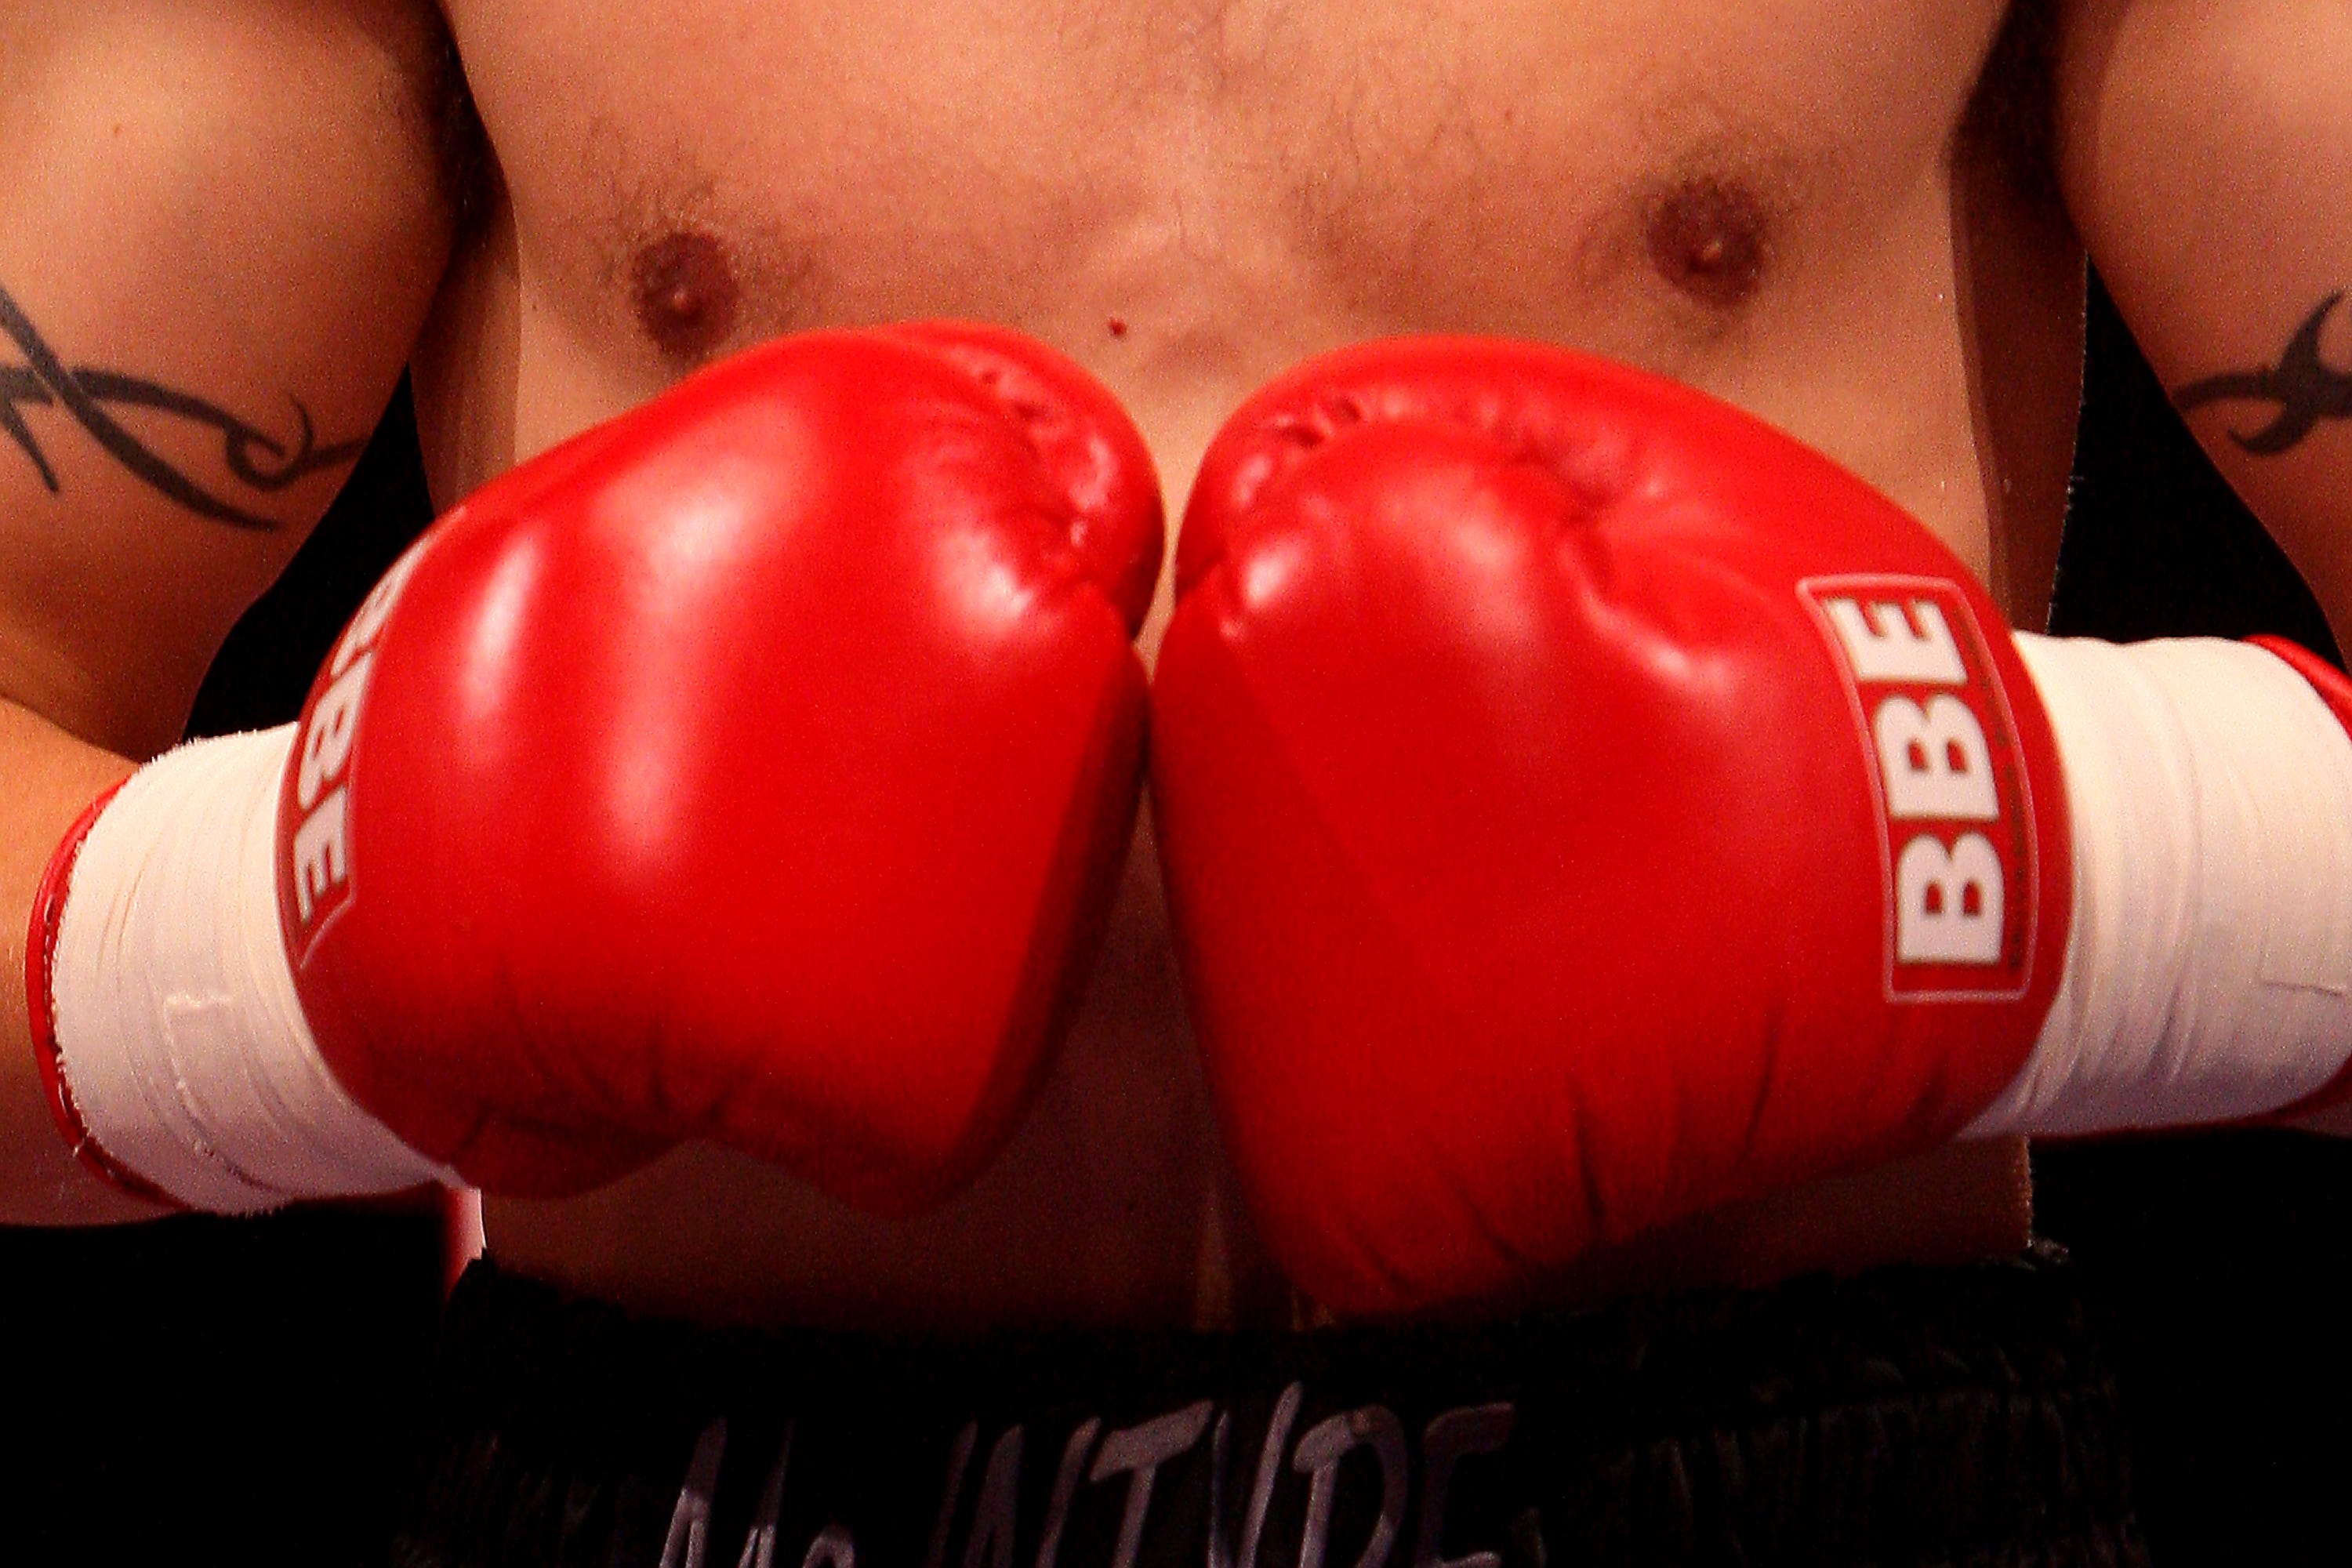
[
  {"x": 2334, "y": 690},
  {"x": 2325, "y": 678},
  {"x": 41, "y": 1010}
]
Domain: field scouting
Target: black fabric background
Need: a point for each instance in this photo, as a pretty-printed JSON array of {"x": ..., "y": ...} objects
[
  {"x": 236, "y": 1392},
  {"x": 2220, "y": 1256},
  {"x": 205, "y": 1391}
]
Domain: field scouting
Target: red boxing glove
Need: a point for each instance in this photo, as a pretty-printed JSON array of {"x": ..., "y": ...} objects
[
  {"x": 1582, "y": 806},
  {"x": 756, "y": 767},
  {"x": 1516, "y": 769}
]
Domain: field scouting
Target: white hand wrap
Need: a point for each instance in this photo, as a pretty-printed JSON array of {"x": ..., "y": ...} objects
[
  {"x": 2209, "y": 968},
  {"x": 178, "y": 1030}
]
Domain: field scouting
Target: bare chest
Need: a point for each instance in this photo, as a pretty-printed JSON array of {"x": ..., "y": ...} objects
[
  {"x": 687, "y": 174},
  {"x": 1759, "y": 197}
]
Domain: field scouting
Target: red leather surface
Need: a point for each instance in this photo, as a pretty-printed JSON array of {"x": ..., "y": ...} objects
[
  {"x": 1521, "y": 831},
  {"x": 755, "y": 767}
]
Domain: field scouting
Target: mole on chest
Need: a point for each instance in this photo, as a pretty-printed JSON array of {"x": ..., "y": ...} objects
[{"x": 1708, "y": 234}]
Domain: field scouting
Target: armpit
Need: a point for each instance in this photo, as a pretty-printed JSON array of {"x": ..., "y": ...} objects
[
  {"x": 2012, "y": 117},
  {"x": 461, "y": 149}
]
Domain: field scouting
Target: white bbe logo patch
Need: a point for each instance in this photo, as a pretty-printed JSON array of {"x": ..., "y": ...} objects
[
  {"x": 1955, "y": 814},
  {"x": 317, "y": 852}
]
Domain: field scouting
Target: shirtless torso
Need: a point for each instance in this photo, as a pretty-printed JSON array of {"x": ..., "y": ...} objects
[
  {"x": 1790, "y": 205},
  {"x": 1840, "y": 216}
]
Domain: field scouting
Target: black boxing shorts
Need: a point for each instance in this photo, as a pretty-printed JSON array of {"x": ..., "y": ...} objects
[{"x": 1909, "y": 1416}]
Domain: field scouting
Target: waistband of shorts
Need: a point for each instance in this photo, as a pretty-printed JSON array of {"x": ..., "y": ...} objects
[{"x": 1909, "y": 1416}]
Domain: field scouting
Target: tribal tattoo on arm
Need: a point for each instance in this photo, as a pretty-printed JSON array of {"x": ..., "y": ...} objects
[
  {"x": 2303, "y": 389},
  {"x": 257, "y": 461}
]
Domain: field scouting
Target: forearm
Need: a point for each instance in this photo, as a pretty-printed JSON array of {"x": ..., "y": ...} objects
[
  {"x": 2206, "y": 153},
  {"x": 51, "y": 778}
]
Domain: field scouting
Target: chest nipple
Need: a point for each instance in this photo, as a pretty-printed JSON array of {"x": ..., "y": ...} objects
[
  {"x": 684, "y": 290},
  {"x": 1710, "y": 238}
]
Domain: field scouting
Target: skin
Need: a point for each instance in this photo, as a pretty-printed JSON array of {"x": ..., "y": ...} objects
[
  {"x": 1744, "y": 242},
  {"x": 227, "y": 259},
  {"x": 1816, "y": 209}
]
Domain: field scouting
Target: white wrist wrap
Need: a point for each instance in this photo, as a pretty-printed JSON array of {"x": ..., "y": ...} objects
[
  {"x": 178, "y": 1029},
  {"x": 2209, "y": 968}
]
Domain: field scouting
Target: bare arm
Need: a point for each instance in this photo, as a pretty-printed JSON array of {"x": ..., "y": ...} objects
[
  {"x": 223, "y": 228},
  {"x": 2205, "y": 148}
]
